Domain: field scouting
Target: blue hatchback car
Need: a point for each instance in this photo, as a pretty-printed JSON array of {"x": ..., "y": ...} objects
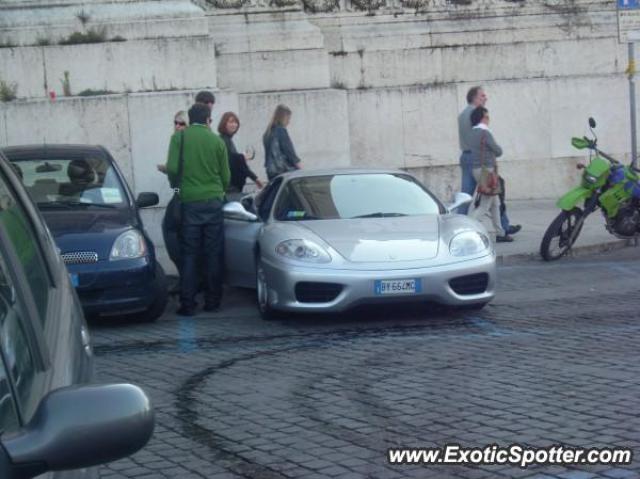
[{"x": 94, "y": 219}]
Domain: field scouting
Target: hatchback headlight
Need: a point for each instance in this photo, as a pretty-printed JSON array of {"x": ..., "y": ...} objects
[
  {"x": 129, "y": 245},
  {"x": 303, "y": 250},
  {"x": 469, "y": 243}
]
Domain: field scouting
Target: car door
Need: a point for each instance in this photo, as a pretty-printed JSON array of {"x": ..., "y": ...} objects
[
  {"x": 44, "y": 343},
  {"x": 242, "y": 236}
]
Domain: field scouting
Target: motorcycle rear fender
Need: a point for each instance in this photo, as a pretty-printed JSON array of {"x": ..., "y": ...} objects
[{"x": 574, "y": 198}]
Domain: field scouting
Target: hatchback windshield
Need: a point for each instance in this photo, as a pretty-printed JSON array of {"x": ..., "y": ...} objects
[
  {"x": 75, "y": 182},
  {"x": 374, "y": 195}
]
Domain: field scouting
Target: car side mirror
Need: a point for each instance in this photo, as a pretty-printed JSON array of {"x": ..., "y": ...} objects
[
  {"x": 147, "y": 199},
  {"x": 76, "y": 427},
  {"x": 235, "y": 211},
  {"x": 459, "y": 199}
]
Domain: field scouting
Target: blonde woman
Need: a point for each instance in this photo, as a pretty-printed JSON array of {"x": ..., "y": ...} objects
[
  {"x": 279, "y": 154},
  {"x": 170, "y": 230},
  {"x": 180, "y": 122}
]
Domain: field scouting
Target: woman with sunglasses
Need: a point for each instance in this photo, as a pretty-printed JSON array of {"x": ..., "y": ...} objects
[
  {"x": 169, "y": 230},
  {"x": 180, "y": 122}
]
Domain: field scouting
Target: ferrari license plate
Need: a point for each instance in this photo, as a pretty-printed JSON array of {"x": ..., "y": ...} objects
[{"x": 397, "y": 286}]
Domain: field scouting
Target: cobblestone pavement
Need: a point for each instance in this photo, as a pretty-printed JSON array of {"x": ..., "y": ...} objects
[{"x": 554, "y": 360}]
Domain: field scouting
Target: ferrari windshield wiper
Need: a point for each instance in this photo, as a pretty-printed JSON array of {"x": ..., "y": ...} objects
[
  {"x": 300, "y": 218},
  {"x": 379, "y": 214}
]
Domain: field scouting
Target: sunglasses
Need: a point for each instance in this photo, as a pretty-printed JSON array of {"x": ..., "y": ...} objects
[{"x": 179, "y": 123}]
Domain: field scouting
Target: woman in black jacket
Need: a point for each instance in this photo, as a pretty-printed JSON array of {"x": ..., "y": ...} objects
[
  {"x": 240, "y": 171},
  {"x": 280, "y": 156}
]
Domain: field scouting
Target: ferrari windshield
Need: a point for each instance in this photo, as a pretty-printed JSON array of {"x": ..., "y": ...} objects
[
  {"x": 68, "y": 183},
  {"x": 348, "y": 196}
]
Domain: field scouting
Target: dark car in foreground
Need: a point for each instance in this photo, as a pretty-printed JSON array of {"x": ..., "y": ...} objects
[
  {"x": 94, "y": 219},
  {"x": 51, "y": 417}
]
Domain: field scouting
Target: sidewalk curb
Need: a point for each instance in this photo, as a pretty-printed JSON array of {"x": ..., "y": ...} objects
[{"x": 508, "y": 259}]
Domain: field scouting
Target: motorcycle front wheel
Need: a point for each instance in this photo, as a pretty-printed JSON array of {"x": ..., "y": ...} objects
[{"x": 561, "y": 234}]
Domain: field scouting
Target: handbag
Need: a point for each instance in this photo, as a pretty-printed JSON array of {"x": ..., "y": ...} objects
[
  {"x": 489, "y": 183},
  {"x": 174, "y": 207}
]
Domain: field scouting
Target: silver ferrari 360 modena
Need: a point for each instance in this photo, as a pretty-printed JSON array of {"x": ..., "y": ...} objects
[{"x": 326, "y": 241}]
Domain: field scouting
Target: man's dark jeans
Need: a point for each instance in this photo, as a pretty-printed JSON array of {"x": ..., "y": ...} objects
[{"x": 202, "y": 239}]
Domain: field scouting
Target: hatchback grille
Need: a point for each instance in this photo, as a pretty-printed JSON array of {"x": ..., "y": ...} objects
[
  {"x": 80, "y": 257},
  {"x": 308, "y": 292},
  {"x": 470, "y": 284}
]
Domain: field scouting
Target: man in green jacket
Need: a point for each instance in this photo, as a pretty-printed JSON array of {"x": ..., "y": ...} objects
[{"x": 205, "y": 179}]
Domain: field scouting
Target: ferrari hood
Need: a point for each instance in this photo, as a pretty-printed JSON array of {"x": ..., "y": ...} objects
[{"x": 406, "y": 238}]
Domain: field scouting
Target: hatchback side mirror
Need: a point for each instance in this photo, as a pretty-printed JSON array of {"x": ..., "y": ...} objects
[
  {"x": 459, "y": 199},
  {"x": 76, "y": 427},
  {"x": 147, "y": 199},
  {"x": 235, "y": 211}
]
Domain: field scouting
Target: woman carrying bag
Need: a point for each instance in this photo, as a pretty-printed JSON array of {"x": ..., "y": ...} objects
[{"x": 485, "y": 150}]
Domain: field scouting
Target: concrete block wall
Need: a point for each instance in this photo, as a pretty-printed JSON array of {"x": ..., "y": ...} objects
[
  {"x": 25, "y": 22},
  {"x": 99, "y": 120},
  {"x": 391, "y": 51},
  {"x": 378, "y": 89},
  {"x": 135, "y": 128},
  {"x": 319, "y": 126},
  {"x": 533, "y": 120},
  {"x": 265, "y": 52},
  {"x": 130, "y": 66}
]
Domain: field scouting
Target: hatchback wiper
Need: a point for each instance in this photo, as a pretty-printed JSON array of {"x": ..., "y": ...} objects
[
  {"x": 72, "y": 204},
  {"x": 378, "y": 215},
  {"x": 54, "y": 204}
]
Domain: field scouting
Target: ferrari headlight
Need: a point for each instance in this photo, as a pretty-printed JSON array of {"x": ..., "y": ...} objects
[
  {"x": 128, "y": 245},
  {"x": 303, "y": 250},
  {"x": 469, "y": 243}
]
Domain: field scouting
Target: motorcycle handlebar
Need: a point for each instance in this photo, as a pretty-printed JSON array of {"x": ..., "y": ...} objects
[{"x": 608, "y": 157}]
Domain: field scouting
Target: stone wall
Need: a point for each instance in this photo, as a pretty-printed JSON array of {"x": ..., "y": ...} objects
[
  {"x": 135, "y": 128},
  {"x": 375, "y": 83}
]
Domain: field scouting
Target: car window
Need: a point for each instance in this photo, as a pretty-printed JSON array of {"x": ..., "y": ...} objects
[
  {"x": 24, "y": 240},
  {"x": 264, "y": 200},
  {"x": 74, "y": 182},
  {"x": 354, "y": 196},
  {"x": 8, "y": 416},
  {"x": 14, "y": 343}
]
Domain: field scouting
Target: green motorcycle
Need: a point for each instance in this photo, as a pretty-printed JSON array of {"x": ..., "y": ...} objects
[{"x": 606, "y": 184}]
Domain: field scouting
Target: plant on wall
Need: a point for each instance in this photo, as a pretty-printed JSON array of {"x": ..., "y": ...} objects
[
  {"x": 88, "y": 35},
  {"x": 66, "y": 84},
  {"x": 84, "y": 17},
  {"x": 8, "y": 43},
  {"x": 319, "y": 6},
  {"x": 284, "y": 3},
  {"x": 229, "y": 3},
  {"x": 92, "y": 35},
  {"x": 368, "y": 5},
  {"x": 8, "y": 91}
]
